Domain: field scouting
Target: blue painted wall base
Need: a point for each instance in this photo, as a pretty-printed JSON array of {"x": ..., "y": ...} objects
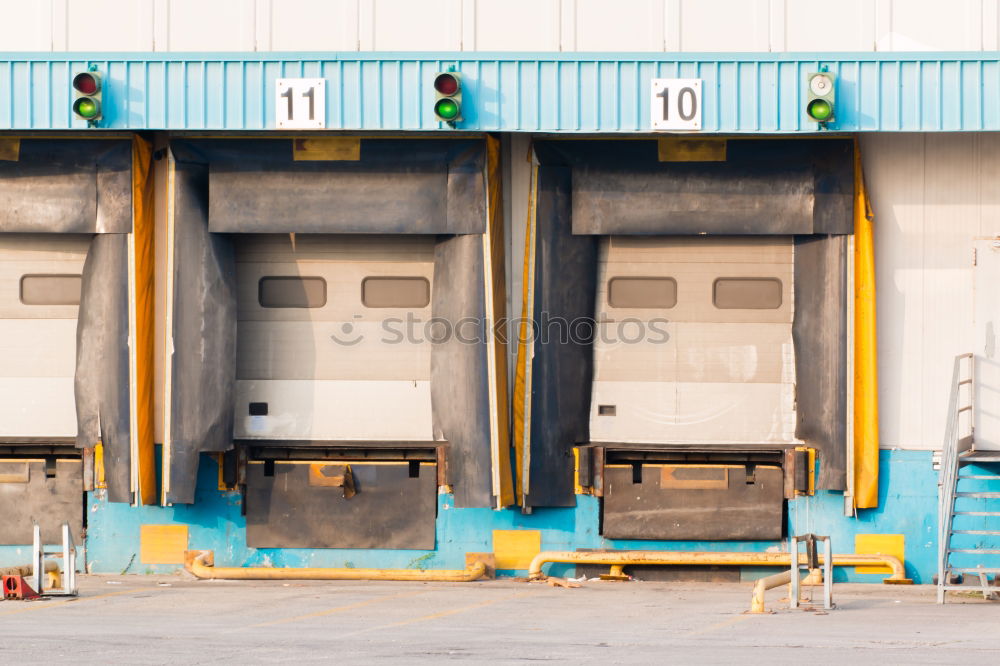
[{"x": 907, "y": 506}]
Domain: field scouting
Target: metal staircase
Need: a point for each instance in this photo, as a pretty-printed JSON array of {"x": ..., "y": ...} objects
[{"x": 968, "y": 494}]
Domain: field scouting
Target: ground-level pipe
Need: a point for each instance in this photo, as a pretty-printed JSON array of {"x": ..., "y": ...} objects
[
  {"x": 25, "y": 569},
  {"x": 51, "y": 568},
  {"x": 200, "y": 563},
  {"x": 707, "y": 558},
  {"x": 764, "y": 584}
]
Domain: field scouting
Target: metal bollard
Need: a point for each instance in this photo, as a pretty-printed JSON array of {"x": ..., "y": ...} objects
[{"x": 812, "y": 563}]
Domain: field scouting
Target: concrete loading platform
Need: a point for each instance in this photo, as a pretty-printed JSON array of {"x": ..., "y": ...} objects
[{"x": 160, "y": 619}]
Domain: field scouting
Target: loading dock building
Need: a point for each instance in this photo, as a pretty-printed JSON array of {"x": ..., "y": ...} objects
[{"x": 279, "y": 304}]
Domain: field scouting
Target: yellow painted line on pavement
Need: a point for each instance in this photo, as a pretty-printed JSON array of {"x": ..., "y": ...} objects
[
  {"x": 40, "y": 605},
  {"x": 719, "y": 625},
  {"x": 338, "y": 609}
]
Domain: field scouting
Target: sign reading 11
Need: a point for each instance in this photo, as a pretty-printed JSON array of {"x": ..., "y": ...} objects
[{"x": 300, "y": 104}]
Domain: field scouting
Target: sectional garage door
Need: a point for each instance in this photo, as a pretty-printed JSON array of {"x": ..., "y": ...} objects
[
  {"x": 332, "y": 339},
  {"x": 695, "y": 343},
  {"x": 39, "y": 300}
]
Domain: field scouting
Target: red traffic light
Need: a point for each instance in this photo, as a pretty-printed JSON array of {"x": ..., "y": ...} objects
[
  {"x": 86, "y": 83},
  {"x": 446, "y": 84}
]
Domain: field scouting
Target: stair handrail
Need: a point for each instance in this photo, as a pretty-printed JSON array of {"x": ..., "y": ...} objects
[{"x": 947, "y": 476}]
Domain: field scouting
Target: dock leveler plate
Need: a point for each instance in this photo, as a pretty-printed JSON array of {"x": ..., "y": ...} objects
[
  {"x": 312, "y": 504},
  {"x": 35, "y": 492},
  {"x": 693, "y": 502}
]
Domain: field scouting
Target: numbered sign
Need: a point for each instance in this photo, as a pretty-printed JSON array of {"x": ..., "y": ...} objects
[
  {"x": 300, "y": 104},
  {"x": 676, "y": 104}
]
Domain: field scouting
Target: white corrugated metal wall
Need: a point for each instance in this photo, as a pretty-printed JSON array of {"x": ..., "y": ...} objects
[
  {"x": 932, "y": 193},
  {"x": 498, "y": 25}
]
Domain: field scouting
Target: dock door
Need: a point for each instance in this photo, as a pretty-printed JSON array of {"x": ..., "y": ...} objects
[
  {"x": 314, "y": 298},
  {"x": 41, "y": 473},
  {"x": 697, "y": 340},
  {"x": 331, "y": 339},
  {"x": 66, "y": 365},
  {"x": 713, "y": 366},
  {"x": 718, "y": 289},
  {"x": 332, "y": 355}
]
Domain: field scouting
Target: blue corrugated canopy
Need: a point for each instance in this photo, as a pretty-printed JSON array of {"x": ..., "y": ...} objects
[{"x": 511, "y": 92}]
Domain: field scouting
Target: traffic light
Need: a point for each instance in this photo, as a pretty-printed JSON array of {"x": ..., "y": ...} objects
[
  {"x": 87, "y": 96},
  {"x": 821, "y": 96},
  {"x": 448, "y": 97}
]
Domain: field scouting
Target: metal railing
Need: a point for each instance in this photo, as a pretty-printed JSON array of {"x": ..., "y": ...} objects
[{"x": 955, "y": 444}]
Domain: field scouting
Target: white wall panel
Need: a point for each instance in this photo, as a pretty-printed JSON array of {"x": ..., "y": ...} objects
[
  {"x": 428, "y": 25},
  {"x": 723, "y": 25},
  {"x": 498, "y": 25},
  {"x": 625, "y": 25},
  {"x": 304, "y": 25},
  {"x": 894, "y": 171},
  {"x": 931, "y": 25},
  {"x": 989, "y": 176},
  {"x": 991, "y": 25},
  {"x": 932, "y": 195},
  {"x": 849, "y": 28},
  {"x": 515, "y": 25},
  {"x": 109, "y": 25},
  {"x": 26, "y": 26},
  {"x": 951, "y": 221},
  {"x": 220, "y": 25}
]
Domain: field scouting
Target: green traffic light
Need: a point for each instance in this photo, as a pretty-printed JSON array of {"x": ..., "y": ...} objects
[
  {"x": 86, "y": 108},
  {"x": 446, "y": 109},
  {"x": 820, "y": 110}
]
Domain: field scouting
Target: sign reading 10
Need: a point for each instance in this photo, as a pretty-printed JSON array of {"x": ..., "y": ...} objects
[{"x": 675, "y": 104}]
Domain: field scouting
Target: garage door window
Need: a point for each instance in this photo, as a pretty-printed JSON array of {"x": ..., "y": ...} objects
[
  {"x": 642, "y": 292},
  {"x": 747, "y": 293},
  {"x": 51, "y": 289},
  {"x": 291, "y": 292},
  {"x": 395, "y": 292}
]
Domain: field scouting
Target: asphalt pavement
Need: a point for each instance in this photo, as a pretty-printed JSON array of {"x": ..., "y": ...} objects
[{"x": 175, "y": 619}]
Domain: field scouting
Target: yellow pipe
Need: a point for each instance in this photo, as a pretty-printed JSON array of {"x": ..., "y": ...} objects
[
  {"x": 764, "y": 584},
  {"x": 201, "y": 565},
  {"x": 682, "y": 558},
  {"x": 25, "y": 569},
  {"x": 865, "y": 348},
  {"x": 50, "y": 566},
  {"x": 814, "y": 578}
]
